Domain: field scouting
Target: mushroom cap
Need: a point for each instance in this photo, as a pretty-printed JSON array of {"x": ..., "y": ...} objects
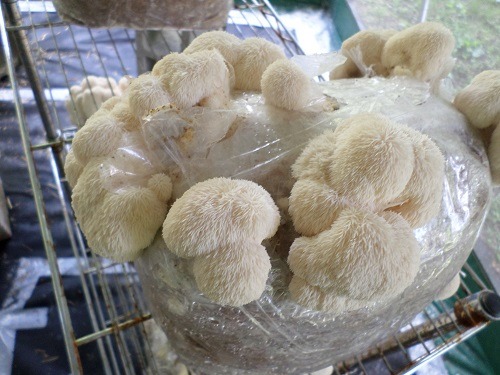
[
  {"x": 314, "y": 206},
  {"x": 125, "y": 223},
  {"x": 315, "y": 159},
  {"x": 89, "y": 192},
  {"x": 127, "y": 119},
  {"x": 348, "y": 69},
  {"x": 420, "y": 200},
  {"x": 367, "y": 255},
  {"x": 422, "y": 51},
  {"x": 494, "y": 155},
  {"x": 480, "y": 100},
  {"x": 374, "y": 156},
  {"x": 72, "y": 169},
  {"x": 235, "y": 274},
  {"x": 285, "y": 85},
  {"x": 219, "y": 211},
  {"x": 146, "y": 93},
  {"x": 100, "y": 136},
  {"x": 255, "y": 56},
  {"x": 109, "y": 104},
  {"x": 161, "y": 185},
  {"x": 227, "y": 44},
  {"x": 91, "y": 82},
  {"x": 364, "y": 50},
  {"x": 191, "y": 78}
]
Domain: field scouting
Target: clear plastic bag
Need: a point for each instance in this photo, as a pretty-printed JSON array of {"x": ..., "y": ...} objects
[{"x": 253, "y": 141}]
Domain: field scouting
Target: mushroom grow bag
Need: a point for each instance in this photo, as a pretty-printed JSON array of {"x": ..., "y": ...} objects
[
  {"x": 146, "y": 14},
  {"x": 258, "y": 142}
]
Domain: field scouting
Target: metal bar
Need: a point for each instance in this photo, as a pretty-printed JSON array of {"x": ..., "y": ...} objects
[
  {"x": 54, "y": 144},
  {"x": 29, "y": 64},
  {"x": 441, "y": 349},
  {"x": 93, "y": 289},
  {"x": 425, "y": 10},
  {"x": 64, "y": 316},
  {"x": 67, "y": 220},
  {"x": 42, "y": 25},
  {"x": 275, "y": 15},
  {"x": 113, "y": 329},
  {"x": 475, "y": 277}
]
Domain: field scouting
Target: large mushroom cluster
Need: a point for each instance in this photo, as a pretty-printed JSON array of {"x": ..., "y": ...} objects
[{"x": 360, "y": 189}]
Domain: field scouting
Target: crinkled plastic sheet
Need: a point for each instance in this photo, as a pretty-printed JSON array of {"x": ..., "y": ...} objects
[
  {"x": 257, "y": 142},
  {"x": 146, "y": 14}
]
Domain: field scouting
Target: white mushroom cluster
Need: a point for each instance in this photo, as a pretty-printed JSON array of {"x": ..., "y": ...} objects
[
  {"x": 221, "y": 223},
  {"x": 480, "y": 103},
  {"x": 360, "y": 192},
  {"x": 422, "y": 51},
  {"x": 120, "y": 189},
  {"x": 87, "y": 97}
]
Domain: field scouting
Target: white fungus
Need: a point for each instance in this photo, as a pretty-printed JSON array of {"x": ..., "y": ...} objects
[
  {"x": 422, "y": 51},
  {"x": 227, "y": 44},
  {"x": 216, "y": 212},
  {"x": 255, "y": 56},
  {"x": 234, "y": 274},
  {"x": 364, "y": 54},
  {"x": 286, "y": 86}
]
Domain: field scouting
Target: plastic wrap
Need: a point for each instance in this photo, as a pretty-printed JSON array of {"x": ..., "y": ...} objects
[
  {"x": 253, "y": 141},
  {"x": 146, "y": 14}
]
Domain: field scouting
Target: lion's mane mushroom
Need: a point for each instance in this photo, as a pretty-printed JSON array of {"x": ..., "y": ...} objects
[
  {"x": 286, "y": 86},
  {"x": 355, "y": 249},
  {"x": 480, "y": 103},
  {"x": 198, "y": 78},
  {"x": 119, "y": 225},
  {"x": 72, "y": 169},
  {"x": 255, "y": 56},
  {"x": 145, "y": 93},
  {"x": 221, "y": 223},
  {"x": 227, "y": 44},
  {"x": 364, "y": 54},
  {"x": 422, "y": 51},
  {"x": 87, "y": 97},
  {"x": 100, "y": 136}
]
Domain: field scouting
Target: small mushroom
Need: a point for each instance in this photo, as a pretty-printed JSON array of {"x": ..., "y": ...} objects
[
  {"x": 422, "y": 51},
  {"x": 221, "y": 223},
  {"x": 234, "y": 274},
  {"x": 480, "y": 100},
  {"x": 374, "y": 158},
  {"x": 198, "y": 78},
  {"x": 99, "y": 137},
  {"x": 420, "y": 200},
  {"x": 364, "y": 54},
  {"x": 227, "y": 44},
  {"x": 286, "y": 86},
  {"x": 314, "y": 206},
  {"x": 219, "y": 211},
  {"x": 146, "y": 93},
  {"x": 125, "y": 223},
  {"x": 255, "y": 56},
  {"x": 72, "y": 169}
]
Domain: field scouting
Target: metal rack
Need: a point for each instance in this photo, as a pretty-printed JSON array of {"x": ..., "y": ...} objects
[{"x": 115, "y": 306}]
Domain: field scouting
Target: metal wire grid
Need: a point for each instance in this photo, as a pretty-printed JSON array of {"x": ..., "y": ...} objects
[{"x": 116, "y": 308}]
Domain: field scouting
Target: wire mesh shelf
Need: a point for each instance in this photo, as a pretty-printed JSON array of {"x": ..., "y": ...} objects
[{"x": 57, "y": 55}]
